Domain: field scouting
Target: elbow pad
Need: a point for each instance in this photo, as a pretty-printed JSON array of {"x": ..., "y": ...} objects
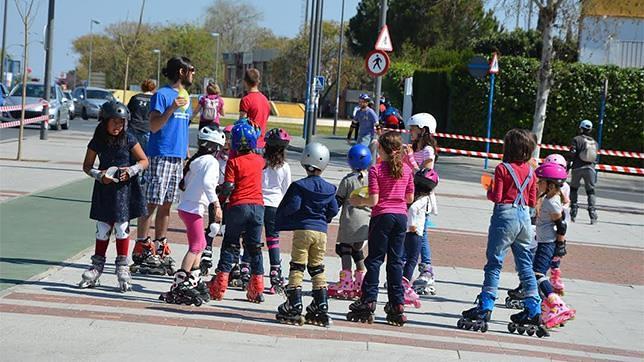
[
  {"x": 227, "y": 188},
  {"x": 561, "y": 226}
]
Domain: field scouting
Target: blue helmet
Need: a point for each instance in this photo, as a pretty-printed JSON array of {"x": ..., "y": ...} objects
[
  {"x": 359, "y": 157},
  {"x": 586, "y": 124},
  {"x": 244, "y": 136},
  {"x": 364, "y": 97}
]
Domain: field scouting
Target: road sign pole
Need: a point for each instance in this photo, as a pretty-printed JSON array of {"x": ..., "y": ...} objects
[
  {"x": 48, "y": 61},
  {"x": 310, "y": 76},
  {"x": 383, "y": 21},
  {"x": 489, "y": 117}
]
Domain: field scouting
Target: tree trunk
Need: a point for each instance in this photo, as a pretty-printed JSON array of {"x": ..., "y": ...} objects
[
  {"x": 127, "y": 72},
  {"x": 21, "y": 132},
  {"x": 547, "y": 19}
]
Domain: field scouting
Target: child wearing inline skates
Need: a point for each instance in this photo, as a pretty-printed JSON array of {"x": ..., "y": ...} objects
[
  {"x": 551, "y": 231},
  {"x": 422, "y": 155},
  {"x": 354, "y": 226},
  {"x": 216, "y": 228},
  {"x": 513, "y": 192},
  {"x": 425, "y": 181},
  {"x": 117, "y": 196},
  {"x": 275, "y": 181},
  {"x": 306, "y": 209},
  {"x": 391, "y": 188},
  {"x": 244, "y": 213},
  {"x": 555, "y": 271},
  {"x": 200, "y": 178}
]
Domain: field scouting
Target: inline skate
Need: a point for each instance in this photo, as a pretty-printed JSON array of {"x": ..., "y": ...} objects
[
  {"x": 202, "y": 287},
  {"x": 290, "y": 312},
  {"x": 573, "y": 212},
  {"x": 477, "y": 318},
  {"x": 344, "y": 288},
  {"x": 395, "y": 314},
  {"x": 234, "y": 279},
  {"x": 183, "y": 290},
  {"x": 255, "y": 291},
  {"x": 206, "y": 261},
  {"x": 163, "y": 252},
  {"x": 244, "y": 275},
  {"x": 411, "y": 298},
  {"x": 317, "y": 311},
  {"x": 515, "y": 297},
  {"x": 218, "y": 285},
  {"x": 593, "y": 216},
  {"x": 144, "y": 259},
  {"x": 91, "y": 276},
  {"x": 555, "y": 280},
  {"x": 358, "y": 277},
  {"x": 554, "y": 312},
  {"x": 361, "y": 311},
  {"x": 277, "y": 281},
  {"x": 123, "y": 273},
  {"x": 528, "y": 320},
  {"x": 424, "y": 284}
]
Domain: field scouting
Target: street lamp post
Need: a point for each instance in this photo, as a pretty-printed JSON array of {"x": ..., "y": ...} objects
[
  {"x": 91, "y": 45},
  {"x": 158, "y": 53},
  {"x": 216, "y": 35}
]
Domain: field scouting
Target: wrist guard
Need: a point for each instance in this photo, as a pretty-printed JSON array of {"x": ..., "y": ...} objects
[{"x": 560, "y": 248}]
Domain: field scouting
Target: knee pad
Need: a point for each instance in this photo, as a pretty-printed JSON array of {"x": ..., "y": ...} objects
[
  {"x": 540, "y": 278},
  {"x": 103, "y": 230},
  {"x": 357, "y": 252},
  {"x": 253, "y": 249},
  {"x": 272, "y": 243},
  {"x": 297, "y": 267},
  {"x": 316, "y": 269},
  {"x": 343, "y": 249},
  {"x": 122, "y": 230},
  {"x": 234, "y": 248}
]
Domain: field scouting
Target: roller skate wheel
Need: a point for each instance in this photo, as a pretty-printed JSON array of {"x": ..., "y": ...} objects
[
  {"x": 542, "y": 333},
  {"x": 484, "y": 328},
  {"x": 512, "y": 327},
  {"x": 521, "y": 330},
  {"x": 198, "y": 302},
  {"x": 460, "y": 324},
  {"x": 476, "y": 327},
  {"x": 417, "y": 304},
  {"x": 530, "y": 332},
  {"x": 508, "y": 303}
]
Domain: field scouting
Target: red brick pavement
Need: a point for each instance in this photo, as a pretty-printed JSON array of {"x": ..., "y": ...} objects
[
  {"x": 455, "y": 248},
  {"x": 274, "y": 329}
]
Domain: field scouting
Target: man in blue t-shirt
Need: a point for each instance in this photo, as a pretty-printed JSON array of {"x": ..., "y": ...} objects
[
  {"x": 167, "y": 148},
  {"x": 367, "y": 120}
]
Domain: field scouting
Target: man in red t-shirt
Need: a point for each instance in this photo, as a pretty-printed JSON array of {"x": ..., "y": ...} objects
[{"x": 254, "y": 104}]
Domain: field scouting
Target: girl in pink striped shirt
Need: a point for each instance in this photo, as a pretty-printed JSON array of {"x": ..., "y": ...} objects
[{"x": 391, "y": 188}]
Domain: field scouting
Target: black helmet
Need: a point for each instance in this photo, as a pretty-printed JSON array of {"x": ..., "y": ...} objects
[{"x": 114, "y": 109}]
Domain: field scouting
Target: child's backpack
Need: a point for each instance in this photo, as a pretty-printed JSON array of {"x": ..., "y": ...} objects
[
  {"x": 588, "y": 152},
  {"x": 210, "y": 108}
]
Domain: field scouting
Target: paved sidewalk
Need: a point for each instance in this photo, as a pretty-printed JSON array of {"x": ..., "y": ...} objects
[{"x": 44, "y": 227}]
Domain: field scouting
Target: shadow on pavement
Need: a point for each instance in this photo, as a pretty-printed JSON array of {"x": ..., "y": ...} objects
[
  {"x": 95, "y": 292},
  {"x": 61, "y": 199},
  {"x": 25, "y": 261}
]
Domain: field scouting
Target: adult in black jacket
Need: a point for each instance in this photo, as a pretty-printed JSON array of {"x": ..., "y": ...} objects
[
  {"x": 139, "y": 106},
  {"x": 583, "y": 168}
]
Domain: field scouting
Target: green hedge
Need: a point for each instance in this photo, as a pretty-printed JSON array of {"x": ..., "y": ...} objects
[{"x": 575, "y": 95}]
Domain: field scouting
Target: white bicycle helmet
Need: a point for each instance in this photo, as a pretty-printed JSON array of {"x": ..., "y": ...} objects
[
  {"x": 422, "y": 120},
  {"x": 212, "y": 135},
  {"x": 315, "y": 155}
]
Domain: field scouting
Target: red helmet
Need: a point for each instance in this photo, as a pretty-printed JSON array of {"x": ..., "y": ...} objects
[{"x": 277, "y": 137}]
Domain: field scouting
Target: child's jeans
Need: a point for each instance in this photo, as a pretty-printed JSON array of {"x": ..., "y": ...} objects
[
  {"x": 386, "y": 237},
  {"x": 272, "y": 238},
  {"x": 246, "y": 218},
  {"x": 413, "y": 243},
  {"x": 510, "y": 228},
  {"x": 309, "y": 248},
  {"x": 425, "y": 248},
  {"x": 541, "y": 264}
]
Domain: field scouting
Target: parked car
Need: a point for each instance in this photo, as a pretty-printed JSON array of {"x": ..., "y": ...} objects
[
  {"x": 35, "y": 93},
  {"x": 88, "y": 100},
  {"x": 70, "y": 104}
]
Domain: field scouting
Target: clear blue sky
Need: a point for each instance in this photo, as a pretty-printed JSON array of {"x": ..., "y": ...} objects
[{"x": 72, "y": 20}]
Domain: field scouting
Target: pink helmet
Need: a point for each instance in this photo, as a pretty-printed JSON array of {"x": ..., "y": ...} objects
[
  {"x": 552, "y": 172},
  {"x": 556, "y": 158},
  {"x": 228, "y": 128},
  {"x": 277, "y": 137}
]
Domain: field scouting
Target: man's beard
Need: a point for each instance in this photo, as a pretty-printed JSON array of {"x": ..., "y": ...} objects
[{"x": 186, "y": 82}]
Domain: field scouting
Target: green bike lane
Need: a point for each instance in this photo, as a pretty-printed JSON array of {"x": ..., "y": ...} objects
[{"x": 43, "y": 230}]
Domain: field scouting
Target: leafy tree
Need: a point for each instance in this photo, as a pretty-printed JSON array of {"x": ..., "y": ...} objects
[
  {"x": 450, "y": 24},
  {"x": 526, "y": 44}
]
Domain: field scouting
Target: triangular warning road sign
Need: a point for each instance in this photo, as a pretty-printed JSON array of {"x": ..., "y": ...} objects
[
  {"x": 384, "y": 40},
  {"x": 494, "y": 65}
]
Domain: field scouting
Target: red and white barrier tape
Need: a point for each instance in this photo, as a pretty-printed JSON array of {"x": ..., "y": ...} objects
[
  {"x": 609, "y": 168},
  {"x": 544, "y": 146},
  {"x": 27, "y": 121},
  {"x": 19, "y": 107}
]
